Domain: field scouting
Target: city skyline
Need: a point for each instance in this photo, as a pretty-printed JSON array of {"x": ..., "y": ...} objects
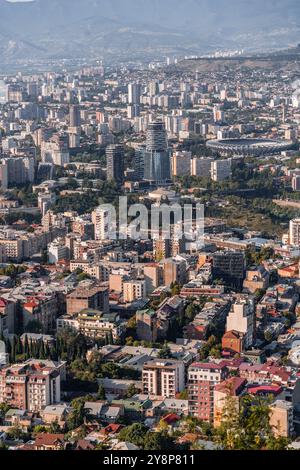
[{"x": 149, "y": 231}]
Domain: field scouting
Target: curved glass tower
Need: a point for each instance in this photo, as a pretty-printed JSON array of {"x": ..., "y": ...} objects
[{"x": 157, "y": 157}]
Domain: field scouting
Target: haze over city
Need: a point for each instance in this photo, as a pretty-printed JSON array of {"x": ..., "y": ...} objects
[{"x": 126, "y": 28}]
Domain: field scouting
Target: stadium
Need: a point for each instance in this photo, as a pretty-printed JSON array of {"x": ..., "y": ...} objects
[{"x": 249, "y": 147}]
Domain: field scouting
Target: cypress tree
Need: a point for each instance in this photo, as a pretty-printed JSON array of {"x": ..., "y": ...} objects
[
  {"x": 13, "y": 350},
  {"x": 26, "y": 347},
  {"x": 8, "y": 348},
  {"x": 47, "y": 351},
  {"x": 19, "y": 346},
  {"x": 57, "y": 346},
  {"x": 110, "y": 338},
  {"x": 30, "y": 348},
  {"x": 42, "y": 350}
]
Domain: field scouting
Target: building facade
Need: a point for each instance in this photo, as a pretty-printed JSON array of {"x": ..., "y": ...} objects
[
  {"x": 202, "y": 379},
  {"x": 163, "y": 378}
]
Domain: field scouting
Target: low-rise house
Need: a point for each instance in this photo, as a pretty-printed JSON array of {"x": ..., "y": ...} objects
[
  {"x": 188, "y": 438},
  {"x": 119, "y": 387},
  {"x": 172, "y": 420},
  {"x": 180, "y": 407},
  {"x": 82, "y": 444},
  {"x": 289, "y": 271},
  {"x": 19, "y": 418},
  {"x": 49, "y": 441},
  {"x": 109, "y": 413},
  {"x": 158, "y": 407},
  {"x": 111, "y": 430},
  {"x": 127, "y": 446},
  {"x": 134, "y": 408},
  {"x": 95, "y": 437},
  {"x": 55, "y": 413}
]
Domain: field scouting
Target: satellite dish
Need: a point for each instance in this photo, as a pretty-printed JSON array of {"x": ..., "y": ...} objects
[{"x": 2, "y": 347}]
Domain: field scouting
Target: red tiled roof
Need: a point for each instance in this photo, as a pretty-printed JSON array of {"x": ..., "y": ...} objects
[
  {"x": 48, "y": 439},
  {"x": 232, "y": 335},
  {"x": 112, "y": 429},
  {"x": 275, "y": 370},
  {"x": 31, "y": 304},
  {"x": 276, "y": 389},
  {"x": 82, "y": 444},
  {"x": 26, "y": 447},
  {"x": 171, "y": 418},
  {"x": 209, "y": 365},
  {"x": 232, "y": 363},
  {"x": 231, "y": 386},
  {"x": 250, "y": 367}
]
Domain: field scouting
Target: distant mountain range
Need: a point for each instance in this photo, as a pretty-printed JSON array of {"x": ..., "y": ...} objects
[{"x": 139, "y": 28}]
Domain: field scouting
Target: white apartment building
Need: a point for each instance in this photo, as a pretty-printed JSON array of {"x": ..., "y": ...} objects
[
  {"x": 163, "y": 378},
  {"x": 57, "y": 251},
  {"x": 241, "y": 318},
  {"x": 93, "y": 324},
  {"x": 221, "y": 170},
  {"x": 43, "y": 389},
  {"x": 181, "y": 163},
  {"x": 96, "y": 271},
  {"x": 16, "y": 170},
  {"x": 51, "y": 152},
  {"x": 296, "y": 183},
  {"x": 201, "y": 167},
  {"x": 295, "y": 232},
  {"x": 101, "y": 219},
  {"x": 45, "y": 200},
  {"x": 134, "y": 93}
]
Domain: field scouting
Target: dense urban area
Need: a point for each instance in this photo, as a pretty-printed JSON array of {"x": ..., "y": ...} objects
[{"x": 150, "y": 343}]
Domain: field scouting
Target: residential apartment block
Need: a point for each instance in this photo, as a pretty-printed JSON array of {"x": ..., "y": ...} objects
[
  {"x": 163, "y": 378},
  {"x": 31, "y": 385}
]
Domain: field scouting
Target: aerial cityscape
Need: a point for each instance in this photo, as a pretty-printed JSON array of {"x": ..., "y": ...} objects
[{"x": 149, "y": 227}]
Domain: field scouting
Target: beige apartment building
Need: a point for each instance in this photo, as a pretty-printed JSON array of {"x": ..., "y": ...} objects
[
  {"x": 281, "y": 418},
  {"x": 163, "y": 378},
  {"x": 134, "y": 290}
]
